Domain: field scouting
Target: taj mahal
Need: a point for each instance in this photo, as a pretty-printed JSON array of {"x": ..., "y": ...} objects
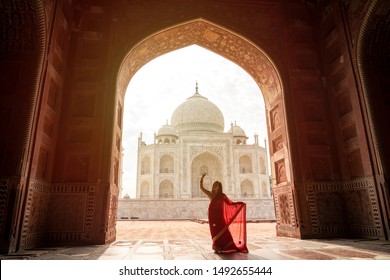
[{"x": 169, "y": 170}]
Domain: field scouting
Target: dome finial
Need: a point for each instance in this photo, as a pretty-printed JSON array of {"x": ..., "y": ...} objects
[{"x": 196, "y": 87}]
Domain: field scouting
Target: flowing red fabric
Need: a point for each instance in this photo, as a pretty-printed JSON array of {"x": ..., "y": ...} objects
[{"x": 227, "y": 221}]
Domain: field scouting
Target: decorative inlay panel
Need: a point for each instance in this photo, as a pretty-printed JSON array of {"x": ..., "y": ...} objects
[
  {"x": 112, "y": 217},
  {"x": 211, "y": 37},
  {"x": 284, "y": 209},
  {"x": 196, "y": 150},
  {"x": 329, "y": 201},
  {"x": 280, "y": 170},
  {"x": 35, "y": 216},
  {"x": 275, "y": 117},
  {"x": 284, "y": 205},
  {"x": 71, "y": 212},
  {"x": 277, "y": 144},
  {"x": 67, "y": 212}
]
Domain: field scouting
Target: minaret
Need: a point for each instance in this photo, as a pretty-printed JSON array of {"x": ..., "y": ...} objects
[{"x": 140, "y": 139}]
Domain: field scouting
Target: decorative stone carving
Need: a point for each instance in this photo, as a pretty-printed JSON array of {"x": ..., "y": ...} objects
[
  {"x": 112, "y": 217},
  {"x": 196, "y": 150},
  {"x": 34, "y": 220},
  {"x": 275, "y": 118},
  {"x": 280, "y": 169},
  {"x": 356, "y": 197},
  {"x": 72, "y": 207},
  {"x": 284, "y": 209},
  {"x": 277, "y": 144},
  {"x": 214, "y": 38}
]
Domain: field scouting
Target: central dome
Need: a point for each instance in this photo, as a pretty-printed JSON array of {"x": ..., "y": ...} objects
[{"x": 197, "y": 113}]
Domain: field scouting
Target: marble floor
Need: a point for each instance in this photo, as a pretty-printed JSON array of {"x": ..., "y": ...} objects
[{"x": 189, "y": 240}]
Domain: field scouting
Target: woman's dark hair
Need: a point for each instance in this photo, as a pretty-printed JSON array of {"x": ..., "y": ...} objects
[{"x": 220, "y": 186}]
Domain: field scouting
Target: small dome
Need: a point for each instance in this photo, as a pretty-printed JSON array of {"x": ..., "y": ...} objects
[
  {"x": 197, "y": 113},
  {"x": 167, "y": 130},
  {"x": 237, "y": 131}
]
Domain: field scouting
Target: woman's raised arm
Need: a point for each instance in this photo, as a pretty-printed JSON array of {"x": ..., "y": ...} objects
[{"x": 207, "y": 192}]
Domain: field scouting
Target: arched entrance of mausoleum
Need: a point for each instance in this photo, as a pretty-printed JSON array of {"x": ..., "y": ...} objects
[{"x": 263, "y": 70}]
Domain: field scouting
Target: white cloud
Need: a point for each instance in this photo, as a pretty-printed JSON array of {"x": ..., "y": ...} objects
[{"x": 159, "y": 87}]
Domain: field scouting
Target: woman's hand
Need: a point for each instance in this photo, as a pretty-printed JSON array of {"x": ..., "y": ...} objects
[{"x": 207, "y": 192}]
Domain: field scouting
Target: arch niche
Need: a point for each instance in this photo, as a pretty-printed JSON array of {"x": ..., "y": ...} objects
[
  {"x": 255, "y": 62},
  {"x": 212, "y": 165}
]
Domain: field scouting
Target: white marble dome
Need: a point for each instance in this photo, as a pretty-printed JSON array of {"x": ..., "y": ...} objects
[
  {"x": 237, "y": 131},
  {"x": 167, "y": 130},
  {"x": 197, "y": 113}
]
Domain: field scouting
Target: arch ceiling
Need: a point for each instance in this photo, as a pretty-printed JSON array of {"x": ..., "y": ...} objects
[{"x": 212, "y": 37}]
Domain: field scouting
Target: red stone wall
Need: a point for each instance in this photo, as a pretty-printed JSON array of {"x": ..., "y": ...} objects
[
  {"x": 21, "y": 60},
  {"x": 62, "y": 92},
  {"x": 34, "y": 224}
]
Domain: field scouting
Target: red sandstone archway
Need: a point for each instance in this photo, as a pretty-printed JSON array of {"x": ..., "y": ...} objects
[
  {"x": 372, "y": 56},
  {"x": 258, "y": 64}
]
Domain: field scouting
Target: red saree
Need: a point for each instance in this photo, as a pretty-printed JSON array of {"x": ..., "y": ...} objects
[{"x": 227, "y": 221}]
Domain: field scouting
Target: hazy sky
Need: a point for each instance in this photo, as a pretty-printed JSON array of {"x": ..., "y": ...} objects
[{"x": 160, "y": 86}]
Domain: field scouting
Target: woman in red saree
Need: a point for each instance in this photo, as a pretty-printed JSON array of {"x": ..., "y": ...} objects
[{"x": 227, "y": 221}]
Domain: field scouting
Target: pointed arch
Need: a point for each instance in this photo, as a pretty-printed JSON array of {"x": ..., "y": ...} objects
[
  {"x": 245, "y": 163},
  {"x": 255, "y": 61},
  {"x": 205, "y": 162},
  {"x": 166, "y": 189},
  {"x": 247, "y": 189},
  {"x": 167, "y": 164}
]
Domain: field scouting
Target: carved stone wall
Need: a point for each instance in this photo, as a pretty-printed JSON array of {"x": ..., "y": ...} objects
[
  {"x": 61, "y": 106},
  {"x": 285, "y": 209},
  {"x": 71, "y": 216},
  {"x": 345, "y": 209}
]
